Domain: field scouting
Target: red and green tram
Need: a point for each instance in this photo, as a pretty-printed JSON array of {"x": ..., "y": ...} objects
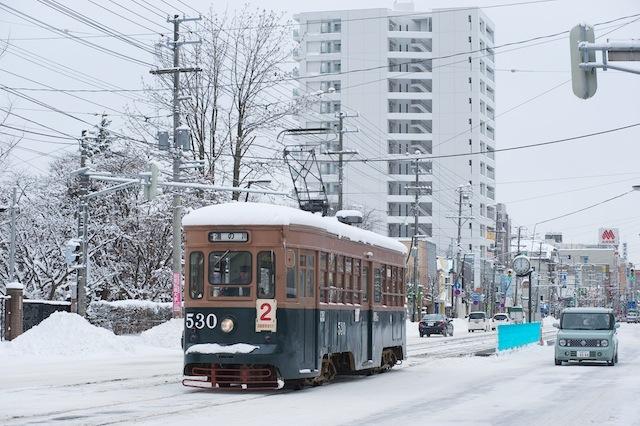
[{"x": 275, "y": 295}]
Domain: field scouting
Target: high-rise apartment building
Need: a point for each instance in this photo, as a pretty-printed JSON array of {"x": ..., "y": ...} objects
[{"x": 420, "y": 83}]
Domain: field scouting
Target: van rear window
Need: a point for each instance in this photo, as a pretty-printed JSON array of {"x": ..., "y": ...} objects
[{"x": 477, "y": 315}]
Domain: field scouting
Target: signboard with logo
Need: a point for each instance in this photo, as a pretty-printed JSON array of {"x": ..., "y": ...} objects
[
  {"x": 176, "y": 293},
  {"x": 608, "y": 236}
]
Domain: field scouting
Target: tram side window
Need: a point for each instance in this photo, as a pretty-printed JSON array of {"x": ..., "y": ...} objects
[
  {"x": 266, "y": 275},
  {"x": 324, "y": 293},
  {"x": 307, "y": 279},
  {"x": 365, "y": 283},
  {"x": 348, "y": 290},
  {"x": 377, "y": 285},
  {"x": 356, "y": 282},
  {"x": 196, "y": 274},
  {"x": 340, "y": 279},
  {"x": 331, "y": 268},
  {"x": 292, "y": 289}
]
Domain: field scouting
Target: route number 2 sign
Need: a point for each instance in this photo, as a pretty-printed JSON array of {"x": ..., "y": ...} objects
[{"x": 266, "y": 315}]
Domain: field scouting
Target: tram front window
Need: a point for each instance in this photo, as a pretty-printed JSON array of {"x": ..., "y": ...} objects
[
  {"x": 230, "y": 273},
  {"x": 266, "y": 275}
]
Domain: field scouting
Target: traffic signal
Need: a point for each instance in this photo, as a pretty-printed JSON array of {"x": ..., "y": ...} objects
[
  {"x": 150, "y": 186},
  {"x": 73, "y": 252},
  {"x": 584, "y": 81}
]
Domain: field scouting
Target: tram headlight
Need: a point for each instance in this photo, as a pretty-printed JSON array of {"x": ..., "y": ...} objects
[{"x": 227, "y": 325}]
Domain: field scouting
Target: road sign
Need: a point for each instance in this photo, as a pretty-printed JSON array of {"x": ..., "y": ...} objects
[{"x": 584, "y": 80}]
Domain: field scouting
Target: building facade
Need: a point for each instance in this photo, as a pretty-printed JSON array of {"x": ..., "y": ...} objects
[{"x": 422, "y": 84}]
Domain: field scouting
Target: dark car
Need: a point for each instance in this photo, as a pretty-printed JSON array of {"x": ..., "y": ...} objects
[{"x": 435, "y": 324}]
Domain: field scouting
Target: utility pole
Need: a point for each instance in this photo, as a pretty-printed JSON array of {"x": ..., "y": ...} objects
[
  {"x": 463, "y": 194},
  {"x": 515, "y": 297},
  {"x": 341, "y": 152},
  {"x": 177, "y": 148},
  {"x": 417, "y": 190},
  {"x": 12, "y": 243},
  {"x": 83, "y": 216},
  {"x": 539, "y": 274}
]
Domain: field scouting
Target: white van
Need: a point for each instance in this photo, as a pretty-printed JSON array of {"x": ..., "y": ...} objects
[{"x": 478, "y": 321}]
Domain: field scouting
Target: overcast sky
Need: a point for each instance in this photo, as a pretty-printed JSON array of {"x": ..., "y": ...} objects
[{"x": 567, "y": 176}]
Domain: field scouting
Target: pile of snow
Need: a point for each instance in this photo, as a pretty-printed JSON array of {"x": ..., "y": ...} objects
[
  {"x": 70, "y": 336},
  {"x": 460, "y": 326},
  {"x": 166, "y": 335},
  {"x": 270, "y": 214},
  {"x": 547, "y": 322},
  {"x": 63, "y": 333}
]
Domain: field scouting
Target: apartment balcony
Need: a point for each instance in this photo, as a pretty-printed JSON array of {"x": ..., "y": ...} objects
[
  {"x": 412, "y": 127},
  {"x": 297, "y": 34},
  {"x": 412, "y": 85},
  {"x": 410, "y": 136},
  {"x": 410, "y": 34},
  {"x": 410, "y": 95},
  {"x": 399, "y": 68},
  {"x": 297, "y": 54},
  {"x": 408, "y": 198},
  {"x": 410, "y": 116}
]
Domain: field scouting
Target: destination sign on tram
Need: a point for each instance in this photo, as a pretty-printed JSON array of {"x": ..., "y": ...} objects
[{"x": 238, "y": 237}]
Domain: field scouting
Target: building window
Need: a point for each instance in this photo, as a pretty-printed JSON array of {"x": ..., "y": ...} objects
[{"x": 332, "y": 26}]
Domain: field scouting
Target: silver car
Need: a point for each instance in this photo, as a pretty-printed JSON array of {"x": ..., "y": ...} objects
[{"x": 587, "y": 334}]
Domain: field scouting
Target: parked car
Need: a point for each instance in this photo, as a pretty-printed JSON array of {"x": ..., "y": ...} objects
[
  {"x": 586, "y": 334},
  {"x": 478, "y": 321},
  {"x": 435, "y": 324},
  {"x": 632, "y": 316},
  {"x": 499, "y": 318}
]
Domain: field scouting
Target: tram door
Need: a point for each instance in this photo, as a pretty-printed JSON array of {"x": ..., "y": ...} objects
[{"x": 307, "y": 280}]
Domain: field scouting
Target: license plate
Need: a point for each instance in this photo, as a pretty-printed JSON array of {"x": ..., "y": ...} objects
[
  {"x": 430, "y": 324},
  {"x": 582, "y": 354}
]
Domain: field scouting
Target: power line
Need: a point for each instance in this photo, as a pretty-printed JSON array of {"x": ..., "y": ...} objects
[
  {"x": 93, "y": 23},
  {"x": 514, "y": 148},
  {"x": 53, "y": 29}
]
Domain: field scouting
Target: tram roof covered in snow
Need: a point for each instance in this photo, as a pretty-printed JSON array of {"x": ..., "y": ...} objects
[{"x": 233, "y": 214}]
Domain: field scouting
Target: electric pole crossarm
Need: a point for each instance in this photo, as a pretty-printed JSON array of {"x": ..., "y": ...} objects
[
  {"x": 221, "y": 188},
  {"x": 607, "y": 65}
]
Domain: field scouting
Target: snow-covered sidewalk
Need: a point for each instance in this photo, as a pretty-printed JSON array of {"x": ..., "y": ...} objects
[{"x": 99, "y": 378}]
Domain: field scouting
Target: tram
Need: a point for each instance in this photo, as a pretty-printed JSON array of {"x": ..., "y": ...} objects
[{"x": 275, "y": 296}]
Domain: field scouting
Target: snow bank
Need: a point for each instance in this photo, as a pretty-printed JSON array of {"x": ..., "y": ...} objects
[
  {"x": 214, "y": 348},
  {"x": 269, "y": 214},
  {"x": 128, "y": 316},
  {"x": 165, "y": 335},
  {"x": 547, "y": 322},
  {"x": 63, "y": 333},
  {"x": 72, "y": 337}
]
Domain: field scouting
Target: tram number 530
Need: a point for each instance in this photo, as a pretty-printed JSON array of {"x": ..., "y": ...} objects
[
  {"x": 266, "y": 315},
  {"x": 200, "y": 320}
]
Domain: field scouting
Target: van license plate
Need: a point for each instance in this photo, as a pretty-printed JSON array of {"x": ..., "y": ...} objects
[
  {"x": 430, "y": 324},
  {"x": 583, "y": 354}
]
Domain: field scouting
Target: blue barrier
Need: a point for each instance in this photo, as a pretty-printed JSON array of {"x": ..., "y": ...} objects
[{"x": 512, "y": 336}]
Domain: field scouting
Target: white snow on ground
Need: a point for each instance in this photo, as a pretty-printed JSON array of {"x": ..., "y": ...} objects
[
  {"x": 165, "y": 335},
  {"x": 522, "y": 387},
  {"x": 214, "y": 348},
  {"x": 68, "y": 335}
]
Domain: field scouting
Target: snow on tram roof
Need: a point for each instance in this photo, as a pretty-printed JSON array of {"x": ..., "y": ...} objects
[{"x": 270, "y": 214}]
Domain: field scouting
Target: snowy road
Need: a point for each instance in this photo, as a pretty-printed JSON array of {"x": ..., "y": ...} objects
[{"x": 523, "y": 387}]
